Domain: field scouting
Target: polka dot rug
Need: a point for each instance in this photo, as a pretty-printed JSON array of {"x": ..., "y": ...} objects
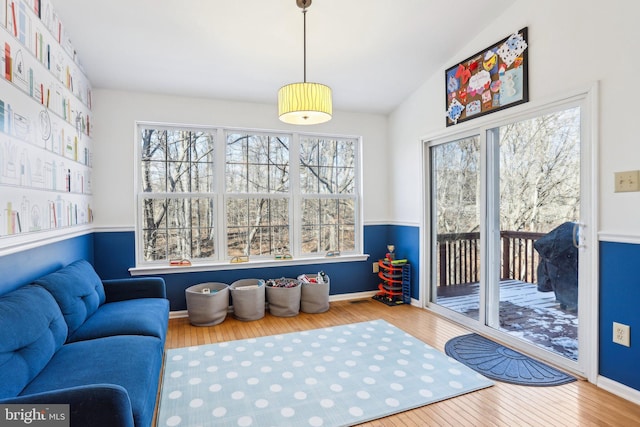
[{"x": 337, "y": 376}]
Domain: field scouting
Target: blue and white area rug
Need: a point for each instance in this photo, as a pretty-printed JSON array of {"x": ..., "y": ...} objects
[{"x": 336, "y": 376}]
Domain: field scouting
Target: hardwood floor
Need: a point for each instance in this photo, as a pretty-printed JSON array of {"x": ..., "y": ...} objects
[{"x": 576, "y": 404}]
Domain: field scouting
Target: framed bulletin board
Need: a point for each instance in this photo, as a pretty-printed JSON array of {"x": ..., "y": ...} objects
[{"x": 491, "y": 80}]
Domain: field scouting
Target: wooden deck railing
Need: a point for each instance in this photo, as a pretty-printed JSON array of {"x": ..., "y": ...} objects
[{"x": 459, "y": 257}]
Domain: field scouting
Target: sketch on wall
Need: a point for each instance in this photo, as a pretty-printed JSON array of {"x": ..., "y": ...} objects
[{"x": 45, "y": 123}]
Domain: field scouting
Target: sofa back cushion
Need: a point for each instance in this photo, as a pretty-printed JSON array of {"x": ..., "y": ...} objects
[
  {"x": 32, "y": 329},
  {"x": 78, "y": 291}
]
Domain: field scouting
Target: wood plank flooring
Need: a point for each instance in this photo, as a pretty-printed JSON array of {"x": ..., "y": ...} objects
[{"x": 576, "y": 404}]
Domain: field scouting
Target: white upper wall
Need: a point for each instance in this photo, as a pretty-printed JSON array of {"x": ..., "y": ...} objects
[
  {"x": 572, "y": 44},
  {"x": 114, "y": 144}
]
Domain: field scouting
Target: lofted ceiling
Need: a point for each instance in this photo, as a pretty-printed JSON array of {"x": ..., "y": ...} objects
[{"x": 372, "y": 53}]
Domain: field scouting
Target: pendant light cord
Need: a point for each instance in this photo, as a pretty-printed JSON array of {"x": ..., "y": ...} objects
[{"x": 304, "y": 49}]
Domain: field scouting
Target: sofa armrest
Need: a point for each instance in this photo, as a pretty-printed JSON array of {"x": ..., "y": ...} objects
[
  {"x": 94, "y": 405},
  {"x": 134, "y": 287}
]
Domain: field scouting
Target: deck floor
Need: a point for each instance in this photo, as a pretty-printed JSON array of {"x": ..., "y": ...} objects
[{"x": 524, "y": 312}]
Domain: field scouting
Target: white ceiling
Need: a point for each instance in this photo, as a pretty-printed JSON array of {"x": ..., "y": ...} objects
[{"x": 373, "y": 53}]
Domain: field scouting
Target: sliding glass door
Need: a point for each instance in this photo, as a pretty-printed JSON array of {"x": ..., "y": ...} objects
[
  {"x": 537, "y": 176},
  {"x": 505, "y": 220},
  {"x": 455, "y": 172}
]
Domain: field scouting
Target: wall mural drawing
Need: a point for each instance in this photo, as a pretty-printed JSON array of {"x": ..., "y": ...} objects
[{"x": 45, "y": 125}]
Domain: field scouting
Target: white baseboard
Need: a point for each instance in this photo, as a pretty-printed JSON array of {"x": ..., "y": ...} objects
[
  {"x": 356, "y": 295},
  {"x": 178, "y": 314},
  {"x": 626, "y": 392}
]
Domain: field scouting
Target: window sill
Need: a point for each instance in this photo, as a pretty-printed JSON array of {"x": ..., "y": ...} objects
[{"x": 219, "y": 266}]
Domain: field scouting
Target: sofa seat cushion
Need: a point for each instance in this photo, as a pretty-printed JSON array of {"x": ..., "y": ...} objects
[
  {"x": 78, "y": 291},
  {"x": 133, "y": 362},
  {"x": 32, "y": 329},
  {"x": 144, "y": 316}
]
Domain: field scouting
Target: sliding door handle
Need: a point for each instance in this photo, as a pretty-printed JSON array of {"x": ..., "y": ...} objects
[{"x": 577, "y": 240}]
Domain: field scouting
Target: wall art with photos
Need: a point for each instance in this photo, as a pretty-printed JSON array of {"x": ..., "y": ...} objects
[{"x": 491, "y": 80}]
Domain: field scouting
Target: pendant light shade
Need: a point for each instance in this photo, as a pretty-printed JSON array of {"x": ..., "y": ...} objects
[{"x": 305, "y": 103}]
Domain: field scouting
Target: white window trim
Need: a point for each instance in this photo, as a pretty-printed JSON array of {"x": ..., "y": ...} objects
[
  {"x": 220, "y": 260},
  {"x": 223, "y": 266}
]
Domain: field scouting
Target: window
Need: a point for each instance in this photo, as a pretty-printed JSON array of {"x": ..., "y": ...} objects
[
  {"x": 209, "y": 194},
  {"x": 176, "y": 210},
  {"x": 257, "y": 194},
  {"x": 328, "y": 193}
]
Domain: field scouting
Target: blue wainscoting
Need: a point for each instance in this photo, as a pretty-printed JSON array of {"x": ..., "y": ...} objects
[
  {"x": 115, "y": 254},
  {"x": 406, "y": 239},
  {"x": 20, "y": 268},
  {"x": 620, "y": 302}
]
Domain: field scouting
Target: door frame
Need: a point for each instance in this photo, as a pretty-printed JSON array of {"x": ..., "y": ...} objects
[{"x": 587, "y": 98}]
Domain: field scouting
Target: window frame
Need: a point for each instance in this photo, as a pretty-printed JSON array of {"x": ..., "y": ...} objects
[
  {"x": 140, "y": 195},
  {"x": 227, "y": 196},
  {"x": 355, "y": 196},
  {"x": 221, "y": 260}
]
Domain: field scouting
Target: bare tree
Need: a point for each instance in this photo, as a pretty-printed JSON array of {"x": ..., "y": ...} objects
[
  {"x": 257, "y": 164},
  {"x": 176, "y": 170},
  {"x": 327, "y": 167},
  {"x": 175, "y": 226},
  {"x": 457, "y": 178},
  {"x": 539, "y": 173}
]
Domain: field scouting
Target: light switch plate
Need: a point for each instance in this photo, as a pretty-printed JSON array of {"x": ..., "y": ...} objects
[{"x": 627, "y": 181}]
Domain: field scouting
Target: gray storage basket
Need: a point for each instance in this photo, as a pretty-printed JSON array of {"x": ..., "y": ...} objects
[
  {"x": 207, "y": 309},
  {"x": 314, "y": 297},
  {"x": 247, "y": 297},
  {"x": 284, "y": 302}
]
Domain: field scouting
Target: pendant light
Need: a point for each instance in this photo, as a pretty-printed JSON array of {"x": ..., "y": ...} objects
[{"x": 304, "y": 103}]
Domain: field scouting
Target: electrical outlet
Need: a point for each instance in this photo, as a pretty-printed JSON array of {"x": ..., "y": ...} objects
[
  {"x": 621, "y": 334},
  {"x": 376, "y": 267},
  {"x": 627, "y": 181}
]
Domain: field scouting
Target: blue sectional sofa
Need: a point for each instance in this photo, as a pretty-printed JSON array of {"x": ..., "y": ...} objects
[{"x": 71, "y": 338}]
